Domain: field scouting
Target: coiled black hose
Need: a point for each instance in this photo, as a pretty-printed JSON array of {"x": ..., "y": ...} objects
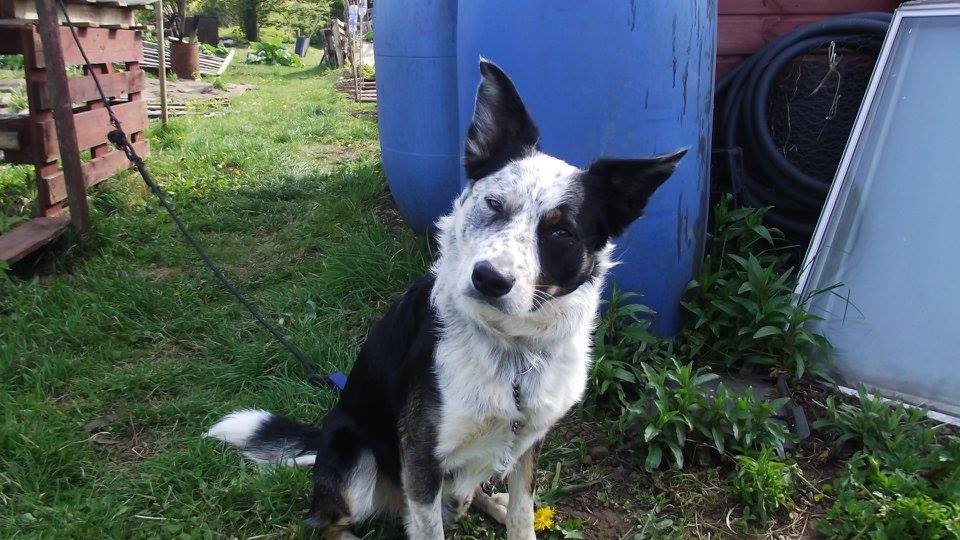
[{"x": 743, "y": 95}]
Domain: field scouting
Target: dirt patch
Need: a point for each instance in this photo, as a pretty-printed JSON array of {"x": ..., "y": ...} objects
[
  {"x": 363, "y": 113},
  {"x": 613, "y": 497},
  {"x": 116, "y": 433}
]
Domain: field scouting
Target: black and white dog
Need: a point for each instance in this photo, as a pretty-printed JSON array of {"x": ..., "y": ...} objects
[{"x": 462, "y": 378}]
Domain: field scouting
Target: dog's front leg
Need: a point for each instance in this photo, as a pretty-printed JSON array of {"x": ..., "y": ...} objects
[
  {"x": 423, "y": 489},
  {"x": 520, "y": 484}
]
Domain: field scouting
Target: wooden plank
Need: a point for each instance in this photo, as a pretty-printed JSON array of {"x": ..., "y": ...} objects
[
  {"x": 95, "y": 171},
  {"x": 28, "y": 237},
  {"x": 103, "y": 45},
  {"x": 83, "y": 88},
  {"x": 101, "y": 15},
  {"x": 808, "y": 7},
  {"x": 92, "y": 127},
  {"x": 226, "y": 62},
  {"x": 744, "y": 34},
  {"x": 726, "y": 63}
]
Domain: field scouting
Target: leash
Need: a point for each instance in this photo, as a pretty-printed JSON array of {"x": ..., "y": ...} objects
[{"x": 119, "y": 139}]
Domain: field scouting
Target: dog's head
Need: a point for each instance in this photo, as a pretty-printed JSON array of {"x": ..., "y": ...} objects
[{"x": 530, "y": 228}]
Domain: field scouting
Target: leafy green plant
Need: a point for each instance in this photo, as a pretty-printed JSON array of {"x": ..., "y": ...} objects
[
  {"x": 764, "y": 484},
  {"x": 13, "y": 62},
  {"x": 874, "y": 503},
  {"x": 743, "y": 302},
  {"x": 652, "y": 526},
  {"x": 743, "y": 423},
  {"x": 369, "y": 71},
  {"x": 669, "y": 415},
  {"x": 272, "y": 52},
  {"x": 215, "y": 50},
  {"x": 675, "y": 413},
  {"x": 622, "y": 337},
  {"x": 891, "y": 432},
  {"x": 903, "y": 480}
]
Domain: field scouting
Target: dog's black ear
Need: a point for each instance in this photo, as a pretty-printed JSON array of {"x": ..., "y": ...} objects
[
  {"x": 501, "y": 130},
  {"x": 623, "y": 186}
]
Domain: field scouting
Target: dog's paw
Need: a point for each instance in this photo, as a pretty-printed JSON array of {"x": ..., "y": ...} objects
[{"x": 494, "y": 506}]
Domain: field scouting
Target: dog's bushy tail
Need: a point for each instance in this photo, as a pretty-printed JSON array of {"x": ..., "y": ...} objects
[{"x": 267, "y": 438}]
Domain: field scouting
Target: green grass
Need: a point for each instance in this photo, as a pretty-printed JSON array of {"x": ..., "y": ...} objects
[{"x": 113, "y": 365}]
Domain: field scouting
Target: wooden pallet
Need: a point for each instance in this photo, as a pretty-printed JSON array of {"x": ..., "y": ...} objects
[
  {"x": 33, "y": 139},
  {"x": 368, "y": 89}
]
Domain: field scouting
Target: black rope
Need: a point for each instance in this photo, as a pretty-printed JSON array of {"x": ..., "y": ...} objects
[{"x": 119, "y": 139}]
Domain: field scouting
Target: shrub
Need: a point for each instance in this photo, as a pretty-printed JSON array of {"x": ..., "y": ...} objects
[
  {"x": 743, "y": 301},
  {"x": 764, "y": 485},
  {"x": 369, "y": 71},
  {"x": 272, "y": 52}
]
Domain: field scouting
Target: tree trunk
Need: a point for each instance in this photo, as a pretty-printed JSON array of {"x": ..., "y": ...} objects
[{"x": 251, "y": 27}]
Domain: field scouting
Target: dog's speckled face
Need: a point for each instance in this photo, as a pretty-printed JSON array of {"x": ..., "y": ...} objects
[{"x": 531, "y": 228}]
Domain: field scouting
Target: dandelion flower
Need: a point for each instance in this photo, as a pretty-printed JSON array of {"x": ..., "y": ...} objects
[{"x": 543, "y": 519}]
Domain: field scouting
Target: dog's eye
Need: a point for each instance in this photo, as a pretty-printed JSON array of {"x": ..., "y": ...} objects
[
  {"x": 561, "y": 233},
  {"x": 494, "y": 204}
]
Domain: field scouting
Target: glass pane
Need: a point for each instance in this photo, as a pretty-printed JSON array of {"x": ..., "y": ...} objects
[{"x": 892, "y": 242}]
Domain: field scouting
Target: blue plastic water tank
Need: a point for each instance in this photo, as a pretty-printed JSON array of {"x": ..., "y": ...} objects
[
  {"x": 620, "y": 78},
  {"x": 415, "y": 55}
]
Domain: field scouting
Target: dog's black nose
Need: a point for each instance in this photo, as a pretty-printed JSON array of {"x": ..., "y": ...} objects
[{"x": 489, "y": 282}]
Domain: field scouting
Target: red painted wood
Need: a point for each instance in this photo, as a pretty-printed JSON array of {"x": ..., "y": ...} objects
[
  {"x": 744, "y": 34},
  {"x": 821, "y": 7},
  {"x": 101, "y": 44},
  {"x": 94, "y": 171},
  {"x": 744, "y": 26},
  {"x": 93, "y": 126},
  {"x": 30, "y": 236},
  {"x": 83, "y": 88}
]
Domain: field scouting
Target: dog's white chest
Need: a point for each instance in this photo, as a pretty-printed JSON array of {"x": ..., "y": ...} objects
[{"x": 482, "y": 431}]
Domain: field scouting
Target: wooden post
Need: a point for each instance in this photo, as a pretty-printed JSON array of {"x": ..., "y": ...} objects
[
  {"x": 59, "y": 93},
  {"x": 162, "y": 73}
]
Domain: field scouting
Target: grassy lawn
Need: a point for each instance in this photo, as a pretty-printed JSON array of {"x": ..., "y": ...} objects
[
  {"x": 119, "y": 349},
  {"x": 114, "y": 360}
]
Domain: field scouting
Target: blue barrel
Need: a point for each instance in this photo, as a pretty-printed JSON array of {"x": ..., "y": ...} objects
[
  {"x": 619, "y": 78},
  {"x": 415, "y": 55}
]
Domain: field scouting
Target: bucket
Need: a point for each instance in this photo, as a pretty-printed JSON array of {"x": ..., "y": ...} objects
[{"x": 185, "y": 59}]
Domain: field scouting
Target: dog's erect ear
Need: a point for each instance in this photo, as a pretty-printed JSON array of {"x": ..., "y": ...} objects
[
  {"x": 624, "y": 186},
  {"x": 501, "y": 130}
]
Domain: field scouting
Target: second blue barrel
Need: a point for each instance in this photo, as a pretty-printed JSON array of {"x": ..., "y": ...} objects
[
  {"x": 415, "y": 54},
  {"x": 619, "y": 78}
]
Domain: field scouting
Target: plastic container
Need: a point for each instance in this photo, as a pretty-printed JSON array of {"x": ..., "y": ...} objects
[
  {"x": 619, "y": 78},
  {"x": 415, "y": 52}
]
